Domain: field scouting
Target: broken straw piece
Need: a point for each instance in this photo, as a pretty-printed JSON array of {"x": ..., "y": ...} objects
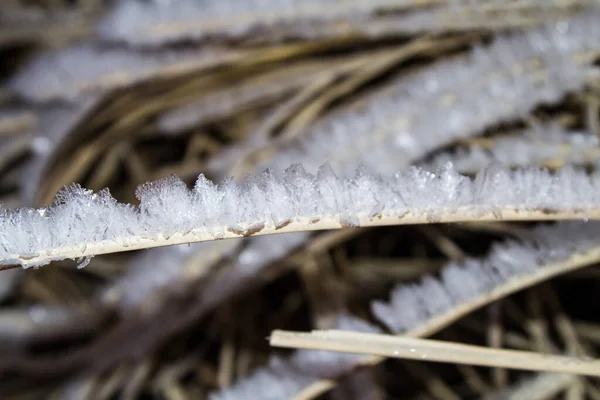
[{"x": 82, "y": 223}]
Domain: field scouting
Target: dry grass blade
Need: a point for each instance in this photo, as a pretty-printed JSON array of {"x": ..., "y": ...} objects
[
  {"x": 432, "y": 350},
  {"x": 542, "y": 386}
]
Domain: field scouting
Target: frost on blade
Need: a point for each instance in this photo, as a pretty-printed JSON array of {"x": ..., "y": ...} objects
[
  {"x": 157, "y": 23},
  {"x": 459, "y": 283},
  {"x": 154, "y": 23},
  {"x": 14, "y": 121},
  {"x": 540, "y": 386},
  {"x": 547, "y": 145},
  {"x": 80, "y": 218},
  {"x": 451, "y": 100},
  {"x": 283, "y": 378},
  {"x": 167, "y": 206}
]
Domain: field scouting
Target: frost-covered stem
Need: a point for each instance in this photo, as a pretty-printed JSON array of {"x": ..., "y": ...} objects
[
  {"x": 152, "y": 24},
  {"x": 390, "y": 346},
  {"x": 83, "y": 224},
  {"x": 131, "y": 243}
]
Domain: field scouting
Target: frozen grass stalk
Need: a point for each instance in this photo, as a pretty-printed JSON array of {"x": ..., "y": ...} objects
[{"x": 81, "y": 223}]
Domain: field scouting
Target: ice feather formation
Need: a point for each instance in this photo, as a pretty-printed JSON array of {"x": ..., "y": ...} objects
[
  {"x": 452, "y": 100},
  {"x": 423, "y": 308},
  {"x": 81, "y": 223}
]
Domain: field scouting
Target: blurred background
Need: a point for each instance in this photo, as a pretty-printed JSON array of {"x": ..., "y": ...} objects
[{"x": 112, "y": 94}]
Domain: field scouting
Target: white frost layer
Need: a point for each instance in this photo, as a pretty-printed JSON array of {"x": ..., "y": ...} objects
[
  {"x": 533, "y": 147},
  {"x": 80, "y": 218},
  {"x": 283, "y": 378},
  {"x": 452, "y": 100},
  {"x": 462, "y": 282},
  {"x": 153, "y": 23},
  {"x": 159, "y": 22}
]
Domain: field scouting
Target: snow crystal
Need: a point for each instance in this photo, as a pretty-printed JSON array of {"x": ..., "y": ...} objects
[
  {"x": 461, "y": 282},
  {"x": 80, "y": 217},
  {"x": 53, "y": 124}
]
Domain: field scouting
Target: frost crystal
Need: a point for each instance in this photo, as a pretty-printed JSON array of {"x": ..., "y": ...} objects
[
  {"x": 79, "y": 218},
  {"x": 459, "y": 283}
]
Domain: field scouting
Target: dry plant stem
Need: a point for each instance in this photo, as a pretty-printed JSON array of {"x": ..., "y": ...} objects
[
  {"x": 587, "y": 330},
  {"x": 541, "y": 387},
  {"x": 437, "y": 388},
  {"x": 432, "y": 350},
  {"x": 473, "y": 378},
  {"x": 257, "y": 228},
  {"x": 436, "y": 324},
  {"x": 494, "y": 338}
]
